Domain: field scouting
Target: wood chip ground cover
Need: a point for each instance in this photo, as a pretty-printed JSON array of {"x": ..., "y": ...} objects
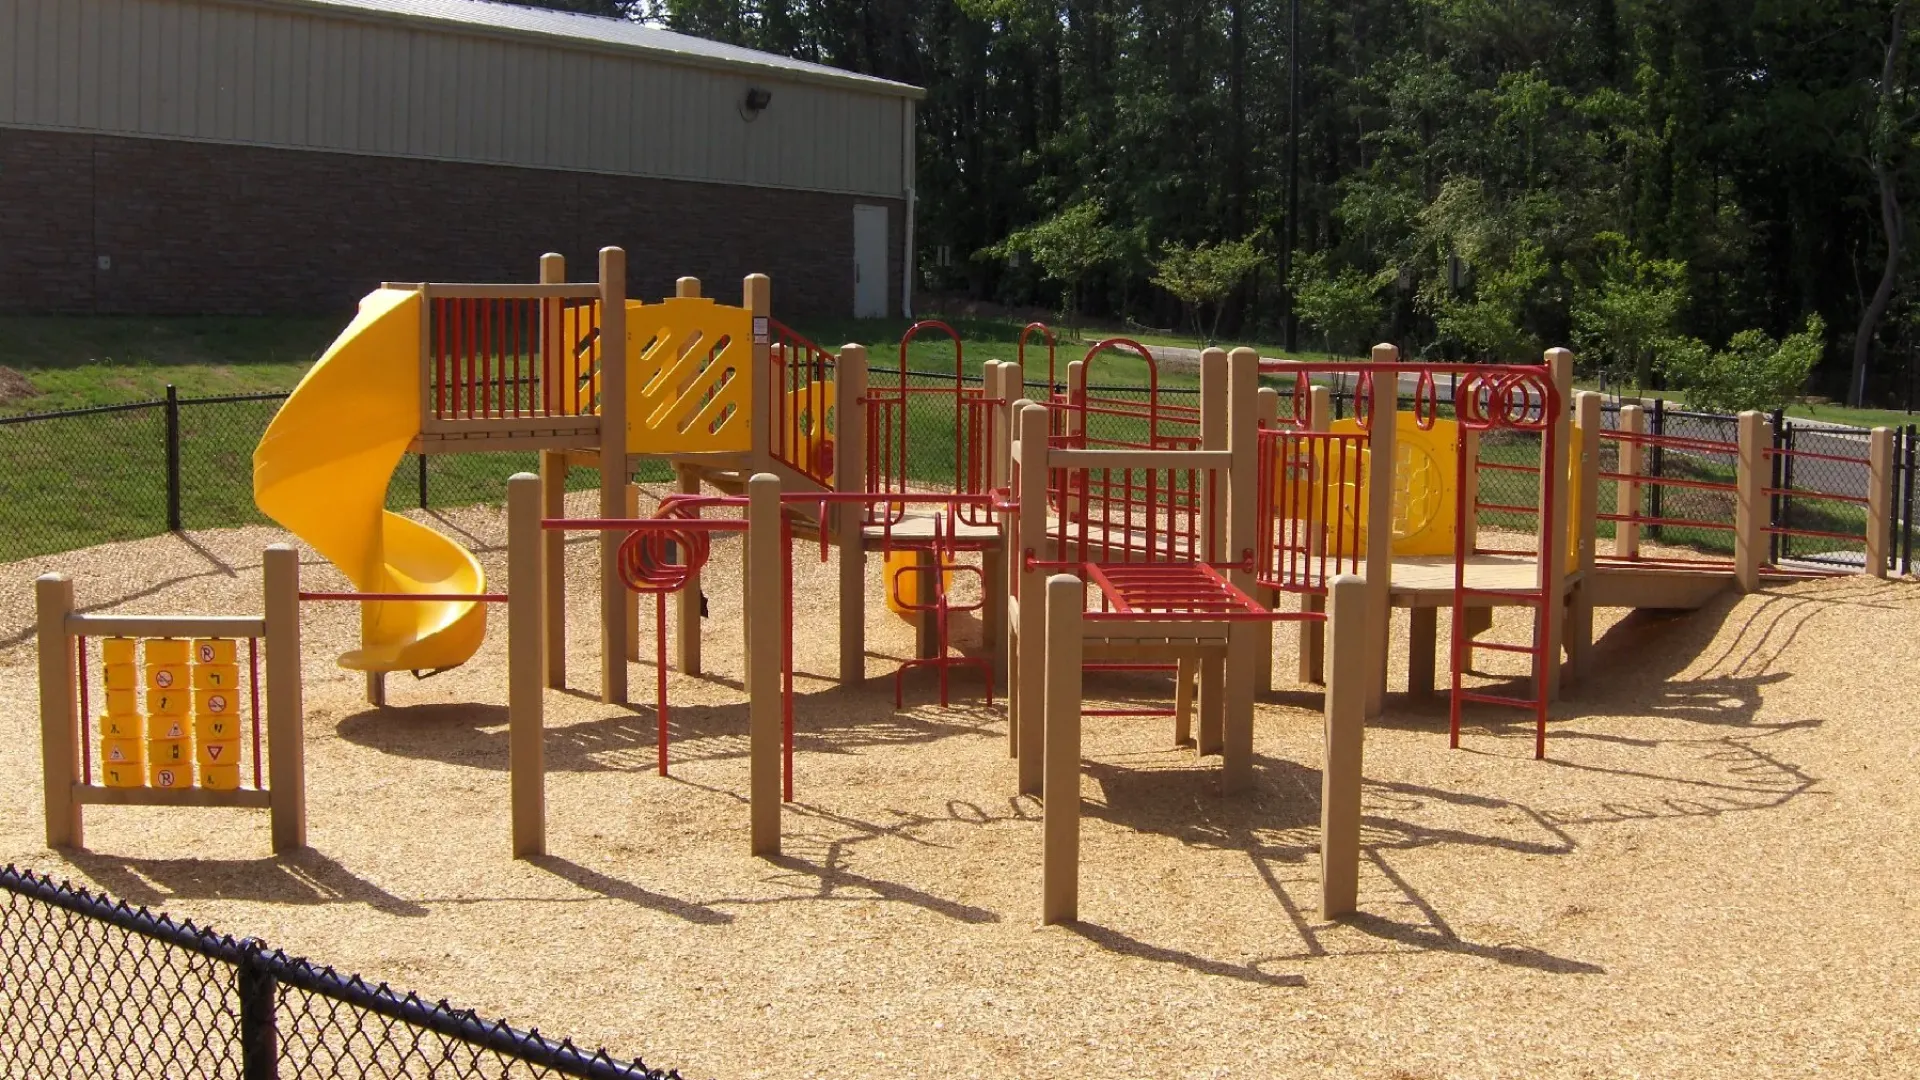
[{"x": 1714, "y": 875}]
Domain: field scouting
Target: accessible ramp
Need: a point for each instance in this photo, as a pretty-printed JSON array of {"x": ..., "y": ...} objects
[{"x": 322, "y": 469}]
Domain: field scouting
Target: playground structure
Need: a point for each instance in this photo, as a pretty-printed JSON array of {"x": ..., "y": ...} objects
[{"x": 1108, "y": 531}]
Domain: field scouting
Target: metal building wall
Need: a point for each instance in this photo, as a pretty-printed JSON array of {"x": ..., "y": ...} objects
[{"x": 226, "y": 72}]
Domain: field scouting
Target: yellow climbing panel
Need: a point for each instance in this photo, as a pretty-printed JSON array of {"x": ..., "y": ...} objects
[{"x": 690, "y": 383}]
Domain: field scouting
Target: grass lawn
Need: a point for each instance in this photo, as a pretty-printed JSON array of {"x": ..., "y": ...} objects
[{"x": 84, "y": 480}]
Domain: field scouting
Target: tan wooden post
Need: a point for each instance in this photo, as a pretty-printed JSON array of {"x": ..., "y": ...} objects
[
  {"x": 1553, "y": 518},
  {"x": 1215, "y": 386},
  {"x": 1006, "y": 385},
  {"x": 553, "y": 478},
  {"x": 1060, "y": 835},
  {"x": 1030, "y": 673},
  {"x": 850, "y": 475},
  {"x": 756, "y": 297},
  {"x": 1579, "y": 633},
  {"x": 1750, "y": 503},
  {"x": 1879, "y": 499},
  {"x": 526, "y": 695},
  {"x": 614, "y": 629},
  {"x": 1243, "y": 638},
  {"x": 1423, "y": 649},
  {"x": 1313, "y": 632},
  {"x": 1626, "y": 497},
  {"x": 1382, "y": 481},
  {"x": 686, "y": 602},
  {"x": 286, "y": 699},
  {"x": 1186, "y": 669},
  {"x": 1469, "y": 446},
  {"x": 1349, "y": 671},
  {"x": 764, "y": 714},
  {"x": 686, "y": 287},
  {"x": 59, "y": 729},
  {"x": 1268, "y": 413}
]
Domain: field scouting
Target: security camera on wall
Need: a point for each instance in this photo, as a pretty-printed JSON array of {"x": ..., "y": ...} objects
[{"x": 754, "y": 102}]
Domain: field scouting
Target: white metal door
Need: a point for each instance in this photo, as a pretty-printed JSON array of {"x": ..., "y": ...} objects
[{"x": 869, "y": 262}]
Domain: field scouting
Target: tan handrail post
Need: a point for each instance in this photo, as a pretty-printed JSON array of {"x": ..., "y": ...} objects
[
  {"x": 1215, "y": 385},
  {"x": 1382, "y": 426},
  {"x": 1030, "y": 673},
  {"x": 1468, "y": 541},
  {"x": 1243, "y": 638},
  {"x": 686, "y": 287},
  {"x": 1313, "y": 632},
  {"x": 633, "y": 598},
  {"x": 1626, "y": 498},
  {"x": 850, "y": 475},
  {"x": 1060, "y": 839},
  {"x": 1553, "y": 519},
  {"x": 1879, "y": 499},
  {"x": 1268, "y": 413},
  {"x": 1750, "y": 503},
  {"x": 756, "y": 292},
  {"x": 526, "y": 692},
  {"x": 764, "y": 562},
  {"x": 614, "y": 630},
  {"x": 286, "y": 698},
  {"x": 59, "y": 727},
  {"x": 553, "y": 478},
  {"x": 1579, "y": 635},
  {"x": 1007, "y": 382},
  {"x": 686, "y": 602},
  {"x": 1349, "y": 671}
]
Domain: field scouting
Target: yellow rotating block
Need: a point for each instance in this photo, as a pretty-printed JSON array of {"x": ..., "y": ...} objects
[
  {"x": 168, "y": 702},
  {"x": 218, "y": 753},
  {"x": 116, "y": 650},
  {"x": 123, "y": 751},
  {"x": 123, "y": 726},
  {"x": 129, "y": 775},
  {"x": 169, "y": 776},
  {"x": 166, "y": 651},
  {"x": 169, "y": 726},
  {"x": 170, "y": 751},
  {"x": 220, "y": 777},
  {"x": 215, "y": 702},
  {"x": 167, "y": 676},
  {"x": 899, "y": 572},
  {"x": 120, "y": 677},
  {"x": 213, "y": 651},
  {"x": 220, "y": 727},
  {"x": 216, "y": 676},
  {"x": 123, "y": 703}
]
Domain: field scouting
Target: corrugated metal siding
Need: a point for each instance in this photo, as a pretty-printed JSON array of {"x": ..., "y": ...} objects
[{"x": 202, "y": 70}]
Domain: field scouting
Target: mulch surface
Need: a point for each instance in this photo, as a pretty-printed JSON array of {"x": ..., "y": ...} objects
[{"x": 1713, "y": 875}]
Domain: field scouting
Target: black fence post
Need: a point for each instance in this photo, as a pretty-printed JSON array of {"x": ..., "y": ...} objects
[
  {"x": 1779, "y": 477},
  {"x": 1906, "y": 515},
  {"x": 259, "y": 1006},
  {"x": 173, "y": 459},
  {"x": 423, "y": 480},
  {"x": 1657, "y": 464}
]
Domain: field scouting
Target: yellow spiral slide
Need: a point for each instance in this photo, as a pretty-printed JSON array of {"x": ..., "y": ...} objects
[{"x": 322, "y": 471}]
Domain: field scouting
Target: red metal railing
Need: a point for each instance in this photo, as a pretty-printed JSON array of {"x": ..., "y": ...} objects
[
  {"x": 494, "y": 358},
  {"x": 803, "y": 410},
  {"x": 975, "y": 420},
  {"x": 1309, "y": 509},
  {"x": 1046, "y": 335},
  {"x": 1635, "y": 515}
]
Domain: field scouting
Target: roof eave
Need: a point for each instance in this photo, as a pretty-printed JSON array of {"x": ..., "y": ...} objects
[{"x": 821, "y": 77}]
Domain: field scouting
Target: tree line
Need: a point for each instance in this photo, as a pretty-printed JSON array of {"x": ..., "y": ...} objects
[{"x": 1707, "y": 191}]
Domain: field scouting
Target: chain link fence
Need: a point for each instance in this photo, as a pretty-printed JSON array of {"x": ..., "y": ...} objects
[
  {"x": 122, "y": 472},
  {"x": 94, "y": 988}
]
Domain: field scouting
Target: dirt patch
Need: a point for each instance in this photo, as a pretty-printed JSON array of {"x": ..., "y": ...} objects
[{"x": 15, "y": 387}]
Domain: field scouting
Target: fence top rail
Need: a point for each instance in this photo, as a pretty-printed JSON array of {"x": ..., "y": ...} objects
[
  {"x": 230, "y": 399},
  {"x": 90, "y": 410},
  {"x": 440, "y": 1018}
]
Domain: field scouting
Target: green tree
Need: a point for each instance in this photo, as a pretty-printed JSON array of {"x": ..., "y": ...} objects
[
  {"x": 1206, "y": 274},
  {"x": 1753, "y": 372},
  {"x": 1489, "y": 325},
  {"x": 1067, "y": 248},
  {"x": 1632, "y": 311},
  {"x": 1344, "y": 306}
]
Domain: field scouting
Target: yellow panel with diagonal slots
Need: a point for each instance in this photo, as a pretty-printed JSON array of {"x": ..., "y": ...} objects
[{"x": 689, "y": 377}]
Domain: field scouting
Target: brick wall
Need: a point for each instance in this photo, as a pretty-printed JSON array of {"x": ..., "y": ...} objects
[{"x": 202, "y": 228}]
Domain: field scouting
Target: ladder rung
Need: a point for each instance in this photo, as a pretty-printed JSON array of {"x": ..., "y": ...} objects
[
  {"x": 1500, "y": 646},
  {"x": 1494, "y": 699}
]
